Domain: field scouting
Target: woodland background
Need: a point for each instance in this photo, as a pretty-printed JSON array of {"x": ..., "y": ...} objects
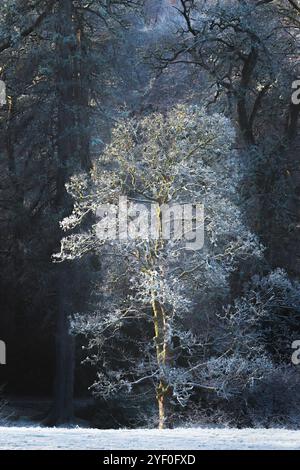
[{"x": 72, "y": 70}]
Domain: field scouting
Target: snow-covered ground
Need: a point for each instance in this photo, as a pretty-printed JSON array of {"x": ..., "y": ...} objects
[{"x": 176, "y": 439}]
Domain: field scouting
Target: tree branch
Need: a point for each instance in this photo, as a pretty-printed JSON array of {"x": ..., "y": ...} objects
[{"x": 27, "y": 31}]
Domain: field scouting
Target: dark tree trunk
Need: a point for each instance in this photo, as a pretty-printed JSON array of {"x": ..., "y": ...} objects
[
  {"x": 244, "y": 120},
  {"x": 72, "y": 152},
  {"x": 293, "y": 119},
  {"x": 62, "y": 409},
  {"x": 82, "y": 87}
]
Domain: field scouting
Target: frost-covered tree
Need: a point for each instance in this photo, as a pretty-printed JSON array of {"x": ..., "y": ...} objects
[
  {"x": 252, "y": 372},
  {"x": 184, "y": 157},
  {"x": 265, "y": 320}
]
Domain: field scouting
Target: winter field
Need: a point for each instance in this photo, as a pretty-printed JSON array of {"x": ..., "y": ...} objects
[{"x": 36, "y": 438}]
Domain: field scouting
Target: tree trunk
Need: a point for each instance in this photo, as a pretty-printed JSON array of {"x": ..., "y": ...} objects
[
  {"x": 62, "y": 409},
  {"x": 72, "y": 147},
  {"x": 244, "y": 120},
  {"x": 161, "y": 399},
  {"x": 163, "y": 350},
  {"x": 82, "y": 90}
]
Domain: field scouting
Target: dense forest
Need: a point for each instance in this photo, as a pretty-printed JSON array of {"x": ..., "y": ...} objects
[{"x": 177, "y": 102}]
